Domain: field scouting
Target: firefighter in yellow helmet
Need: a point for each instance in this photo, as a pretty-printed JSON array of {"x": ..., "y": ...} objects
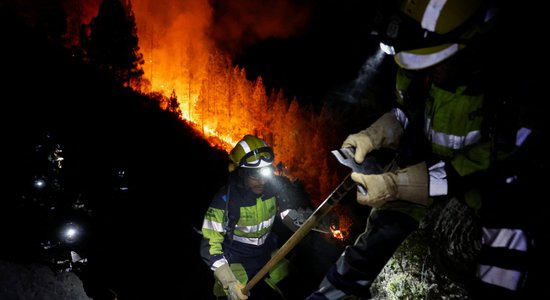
[
  {"x": 449, "y": 146},
  {"x": 238, "y": 230}
]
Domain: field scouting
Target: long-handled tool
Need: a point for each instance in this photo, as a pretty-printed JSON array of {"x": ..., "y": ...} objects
[
  {"x": 345, "y": 186},
  {"x": 341, "y": 190}
]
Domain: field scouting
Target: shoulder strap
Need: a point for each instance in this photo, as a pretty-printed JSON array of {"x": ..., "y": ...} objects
[{"x": 229, "y": 221}]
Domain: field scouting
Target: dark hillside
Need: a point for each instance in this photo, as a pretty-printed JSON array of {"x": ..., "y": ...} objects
[{"x": 140, "y": 241}]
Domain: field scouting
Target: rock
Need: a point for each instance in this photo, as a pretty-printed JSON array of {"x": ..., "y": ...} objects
[{"x": 38, "y": 282}]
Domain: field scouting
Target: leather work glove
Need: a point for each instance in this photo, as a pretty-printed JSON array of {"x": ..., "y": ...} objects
[
  {"x": 410, "y": 184},
  {"x": 385, "y": 132},
  {"x": 231, "y": 285}
]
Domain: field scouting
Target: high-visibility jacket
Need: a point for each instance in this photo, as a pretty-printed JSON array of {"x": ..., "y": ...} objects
[
  {"x": 455, "y": 126},
  {"x": 446, "y": 128},
  {"x": 237, "y": 229},
  {"x": 451, "y": 123}
]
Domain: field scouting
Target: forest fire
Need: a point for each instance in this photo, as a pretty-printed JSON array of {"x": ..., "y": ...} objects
[
  {"x": 182, "y": 62},
  {"x": 216, "y": 96}
]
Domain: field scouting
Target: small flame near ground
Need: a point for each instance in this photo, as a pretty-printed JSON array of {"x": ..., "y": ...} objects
[
  {"x": 337, "y": 233},
  {"x": 341, "y": 231}
]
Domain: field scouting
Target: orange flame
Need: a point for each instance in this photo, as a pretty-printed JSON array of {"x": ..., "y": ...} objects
[
  {"x": 216, "y": 98},
  {"x": 337, "y": 233}
]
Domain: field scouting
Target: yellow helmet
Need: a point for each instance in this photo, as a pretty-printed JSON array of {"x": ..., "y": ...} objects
[
  {"x": 251, "y": 152},
  {"x": 422, "y": 33}
]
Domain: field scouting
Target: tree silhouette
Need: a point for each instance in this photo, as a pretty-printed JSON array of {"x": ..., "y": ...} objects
[
  {"x": 112, "y": 44},
  {"x": 173, "y": 104}
]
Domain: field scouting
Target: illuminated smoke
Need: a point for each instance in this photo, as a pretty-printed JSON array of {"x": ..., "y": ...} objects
[
  {"x": 238, "y": 23},
  {"x": 365, "y": 80}
]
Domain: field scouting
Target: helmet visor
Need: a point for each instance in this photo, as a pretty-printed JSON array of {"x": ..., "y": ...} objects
[
  {"x": 258, "y": 158},
  {"x": 404, "y": 33}
]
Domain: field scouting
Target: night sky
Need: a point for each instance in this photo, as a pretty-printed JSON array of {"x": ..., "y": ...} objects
[{"x": 317, "y": 63}]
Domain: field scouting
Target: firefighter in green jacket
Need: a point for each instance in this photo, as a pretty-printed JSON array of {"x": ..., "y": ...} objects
[
  {"x": 238, "y": 230},
  {"x": 443, "y": 129}
]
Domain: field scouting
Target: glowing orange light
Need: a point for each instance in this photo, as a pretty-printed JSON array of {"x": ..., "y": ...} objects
[
  {"x": 336, "y": 232},
  {"x": 215, "y": 97}
]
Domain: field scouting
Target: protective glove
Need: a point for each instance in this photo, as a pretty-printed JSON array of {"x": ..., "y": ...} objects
[
  {"x": 231, "y": 285},
  {"x": 385, "y": 132},
  {"x": 410, "y": 184}
]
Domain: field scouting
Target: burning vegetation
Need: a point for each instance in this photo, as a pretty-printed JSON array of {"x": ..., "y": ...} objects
[
  {"x": 179, "y": 54},
  {"x": 189, "y": 75}
]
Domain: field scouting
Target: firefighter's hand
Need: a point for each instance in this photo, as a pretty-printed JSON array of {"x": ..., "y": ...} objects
[
  {"x": 409, "y": 184},
  {"x": 234, "y": 291},
  {"x": 362, "y": 144},
  {"x": 230, "y": 284},
  {"x": 380, "y": 188},
  {"x": 386, "y": 132}
]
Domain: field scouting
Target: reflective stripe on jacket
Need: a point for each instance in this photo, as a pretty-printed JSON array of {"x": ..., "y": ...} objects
[
  {"x": 237, "y": 227},
  {"x": 452, "y": 124}
]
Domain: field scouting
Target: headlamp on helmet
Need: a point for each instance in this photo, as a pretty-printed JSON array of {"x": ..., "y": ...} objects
[
  {"x": 260, "y": 173},
  {"x": 251, "y": 152}
]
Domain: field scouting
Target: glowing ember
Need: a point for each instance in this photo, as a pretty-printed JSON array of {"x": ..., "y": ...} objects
[{"x": 336, "y": 232}]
